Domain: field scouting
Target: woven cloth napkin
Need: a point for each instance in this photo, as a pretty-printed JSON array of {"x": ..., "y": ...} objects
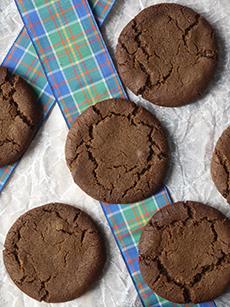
[{"x": 61, "y": 53}]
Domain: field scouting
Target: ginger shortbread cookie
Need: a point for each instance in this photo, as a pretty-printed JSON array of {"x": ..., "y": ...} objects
[
  {"x": 18, "y": 116},
  {"x": 168, "y": 54},
  {"x": 54, "y": 253},
  {"x": 117, "y": 152},
  {"x": 184, "y": 253}
]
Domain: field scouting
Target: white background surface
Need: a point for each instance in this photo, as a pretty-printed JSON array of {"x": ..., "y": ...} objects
[{"x": 42, "y": 175}]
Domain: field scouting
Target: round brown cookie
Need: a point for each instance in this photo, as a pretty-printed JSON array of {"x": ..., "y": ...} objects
[
  {"x": 54, "y": 253},
  {"x": 117, "y": 152},
  {"x": 185, "y": 252},
  {"x": 220, "y": 164},
  {"x": 168, "y": 54},
  {"x": 18, "y": 116}
]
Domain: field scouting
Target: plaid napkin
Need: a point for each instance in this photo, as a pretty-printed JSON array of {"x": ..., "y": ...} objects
[{"x": 80, "y": 72}]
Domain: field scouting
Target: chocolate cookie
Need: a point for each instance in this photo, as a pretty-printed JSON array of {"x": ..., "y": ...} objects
[
  {"x": 18, "y": 116},
  {"x": 117, "y": 152},
  {"x": 185, "y": 253},
  {"x": 220, "y": 164},
  {"x": 54, "y": 253},
  {"x": 168, "y": 54}
]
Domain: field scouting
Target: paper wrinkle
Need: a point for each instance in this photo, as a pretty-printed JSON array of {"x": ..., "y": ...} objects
[{"x": 193, "y": 130}]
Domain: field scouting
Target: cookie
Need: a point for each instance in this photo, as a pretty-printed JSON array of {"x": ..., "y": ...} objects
[
  {"x": 184, "y": 253},
  {"x": 168, "y": 54},
  {"x": 18, "y": 116},
  {"x": 117, "y": 152},
  {"x": 54, "y": 253},
  {"x": 220, "y": 164}
]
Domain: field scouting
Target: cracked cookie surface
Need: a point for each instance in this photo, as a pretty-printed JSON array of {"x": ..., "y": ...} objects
[
  {"x": 220, "y": 164},
  {"x": 18, "y": 116},
  {"x": 168, "y": 54},
  {"x": 54, "y": 253},
  {"x": 117, "y": 152},
  {"x": 184, "y": 252}
]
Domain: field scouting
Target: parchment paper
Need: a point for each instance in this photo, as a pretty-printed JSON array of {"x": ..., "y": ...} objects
[{"x": 42, "y": 175}]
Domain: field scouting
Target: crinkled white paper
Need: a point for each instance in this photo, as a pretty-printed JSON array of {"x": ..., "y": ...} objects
[{"x": 193, "y": 130}]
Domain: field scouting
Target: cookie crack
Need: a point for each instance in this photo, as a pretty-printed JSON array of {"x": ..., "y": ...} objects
[
  {"x": 91, "y": 127},
  {"x": 175, "y": 22},
  {"x": 164, "y": 227},
  {"x": 66, "y": 221},
  {"x": 149, "y": 84},
  {"x": 223, "y": 161},
  {"x": 65, "y": 257},
  {"x": 208, "y": 54},
  {"x": 161, "y": 155},
  {"x": 189, "y": 211},
  {"x": 130, "y": 117},
  {"x": 127, "y": 51},
  {"x": 145, "y": 69},
  {"x": 214, "y": 233},
  {"x": 138, "y": 41},
  {"x": 23, "y": 117},
  {"x": 209, "y": 268},
  {"x": 12, "y": 102},
  {"x": 17, "y": 258},
  {"x": 46, "y": 295},
  {"x": 83, "y": 235},
  {"x": 164, "y": 78},
  {"x": 93, "y": 159},
  {"x": 12, "y": 79},
  {"x": 25, "y": 279},
  {"x": 190, "y": 216},
  {"x": 88, "y": 143},
  {"x": 135, "y": 60},
  {"x": 6, "y": 97},
  {"x": 139, "y": 175},
  {"x": 77, "y": 153},
  {"x": 66, "y": 231},
  {"x": 7, "y": 140},
  {"x": 198, "y": 276},
  {"x": 164, "y": 271},
  {"x": 188, "y": 29},
  {"x": 76, "y": 217},
  {"x": 97, "y": 110}
]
